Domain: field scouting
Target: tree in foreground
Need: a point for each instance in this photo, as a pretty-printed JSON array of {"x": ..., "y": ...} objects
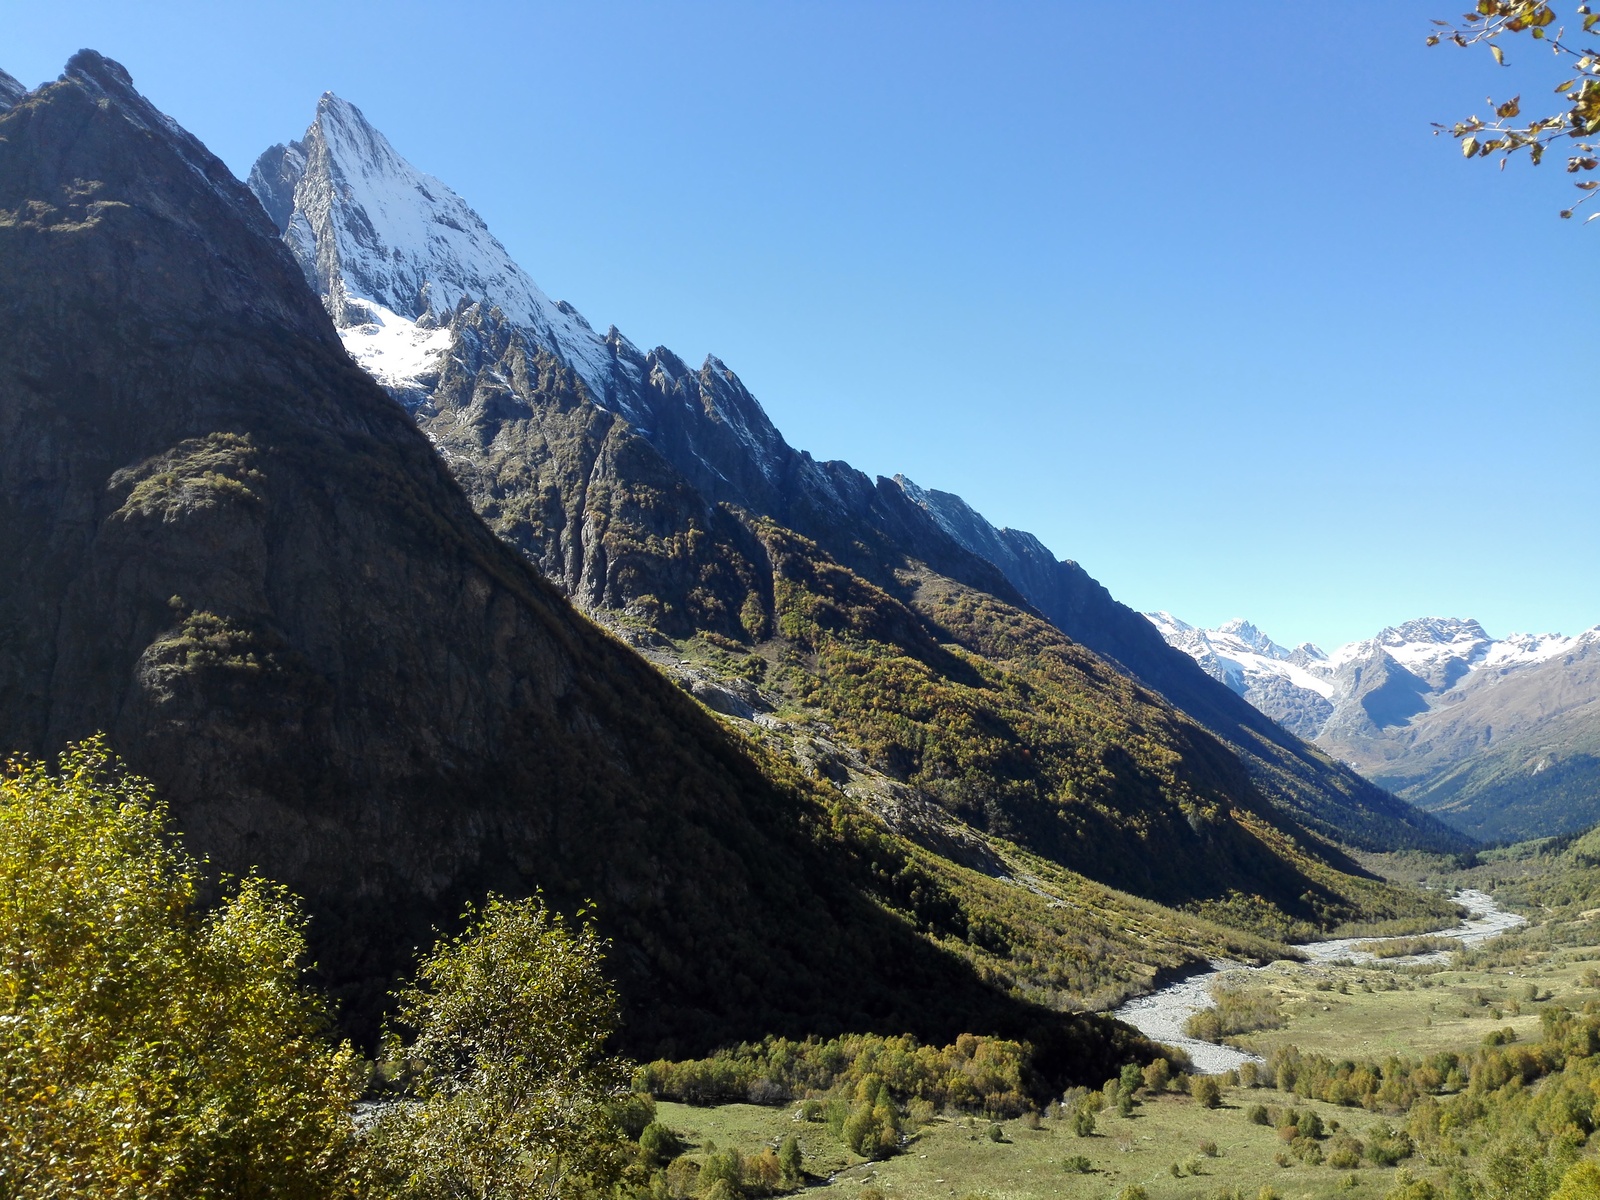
[
  {"x": 514, "y": 1092},
  {"x": 1575, "y": 57},
  {"x": 149, "y": 1048}
]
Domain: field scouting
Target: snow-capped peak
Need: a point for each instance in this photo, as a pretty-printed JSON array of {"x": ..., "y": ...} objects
[
  {"x": 1427, "y": 646},
  {"x": 1246, "y": 634},
  {"x": 378, "y": 238},
  {"x": 1519, "y": 648},
  {"x": 1168, "y": 624}
]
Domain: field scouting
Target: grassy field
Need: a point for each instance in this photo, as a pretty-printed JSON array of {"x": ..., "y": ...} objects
[
  {"x": 1160, "y": 1147},
  {"x": 1378, "y": 1009}
]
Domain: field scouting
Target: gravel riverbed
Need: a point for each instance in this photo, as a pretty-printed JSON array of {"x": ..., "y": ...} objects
[{"x": 1160, "y": 1015}]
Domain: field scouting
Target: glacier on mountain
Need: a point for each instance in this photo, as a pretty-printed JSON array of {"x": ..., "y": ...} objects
[{"x": 1438, "y": 652}]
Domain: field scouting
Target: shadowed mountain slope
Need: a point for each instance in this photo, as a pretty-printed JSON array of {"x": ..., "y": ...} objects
[
  {"x": 229, "y": 549},
  {"x": 232, "y": 551},
  {"x": 983, "y": 709}
]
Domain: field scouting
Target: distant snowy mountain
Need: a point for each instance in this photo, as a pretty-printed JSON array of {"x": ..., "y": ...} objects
[
  {"x": 1437, "y": 710},
  {"x": 1290, "y": 686}
]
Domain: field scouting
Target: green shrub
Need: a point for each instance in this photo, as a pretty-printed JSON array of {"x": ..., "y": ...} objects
[
  {"x": 659, "y": 1145},
  {"x": 1344, "y": 1153},
  {"x": 871, "y": 1130},
  {"x": 632, "y": 1114},
  {"x": 1387, "y": 1145},
  {"x": 1307, "y": 1151},
  {"x": 972, "y": 1074},
  {"x": 791, "y": 1164},
  {"x": 1206, "y": 1091},
  {"x": 725, "y": 1166},
  {"x": 682, "y": 1177},
  {"x": 1157, "y": 1075},
  {"x": 1076, "y": 1164},
  {"x": 1581, "y": 1182},
  {"x": 1237, "y": 1010}
]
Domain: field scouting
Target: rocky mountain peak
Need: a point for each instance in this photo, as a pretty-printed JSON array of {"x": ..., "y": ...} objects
[
  {"x": 549, "y": 470},
  {"x": 1247, "y": 633},
  {"x": 235, "y": 554},
  {"x": 103, "y": 79},
  {"x": 394, "y": 252},
  {"x": 1463, "y": 635}
]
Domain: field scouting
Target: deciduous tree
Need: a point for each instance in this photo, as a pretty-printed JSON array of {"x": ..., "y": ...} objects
[
  {"x": 1507, "y": 131},
  {"x": 513, "y": 1086},
  {"x": 149, "y": 1047}
]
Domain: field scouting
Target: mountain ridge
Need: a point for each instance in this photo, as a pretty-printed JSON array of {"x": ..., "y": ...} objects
[
  {"x": 234, "y": 553},
  {"x": 713, "y": 434}
]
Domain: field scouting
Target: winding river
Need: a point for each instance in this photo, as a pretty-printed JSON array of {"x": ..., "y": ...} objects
[{"x": 1161, "y": 1015}]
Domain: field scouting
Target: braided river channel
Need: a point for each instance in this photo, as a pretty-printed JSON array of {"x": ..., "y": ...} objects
[{"x": 1160, "y": 1015}]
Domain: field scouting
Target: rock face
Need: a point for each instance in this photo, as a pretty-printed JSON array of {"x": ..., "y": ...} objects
[
  {"x": 1500, "y": 737},
  {"x": 10, "y": 91},
  {"x": 227, "y": 547},
  {"x": 631, "y": 479}
]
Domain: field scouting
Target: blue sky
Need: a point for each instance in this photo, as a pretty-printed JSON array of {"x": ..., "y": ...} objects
[{"x": 1187, "y": 290}]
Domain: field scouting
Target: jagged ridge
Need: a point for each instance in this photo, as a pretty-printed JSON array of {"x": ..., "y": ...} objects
[
  {"x": 708, "y": 426},
  {"x": 643, "y": 510}
]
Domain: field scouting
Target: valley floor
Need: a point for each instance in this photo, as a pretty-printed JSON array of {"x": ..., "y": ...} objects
[
  {"x": 956, "y": 1157},
  {"x": 1174, "y": 1148}
]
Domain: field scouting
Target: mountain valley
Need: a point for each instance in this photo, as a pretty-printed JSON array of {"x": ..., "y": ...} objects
[
  {"x": 264, "y": 586},
  {"x": 659, "y": 544},
  {"x": 417, "y": 604}
]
